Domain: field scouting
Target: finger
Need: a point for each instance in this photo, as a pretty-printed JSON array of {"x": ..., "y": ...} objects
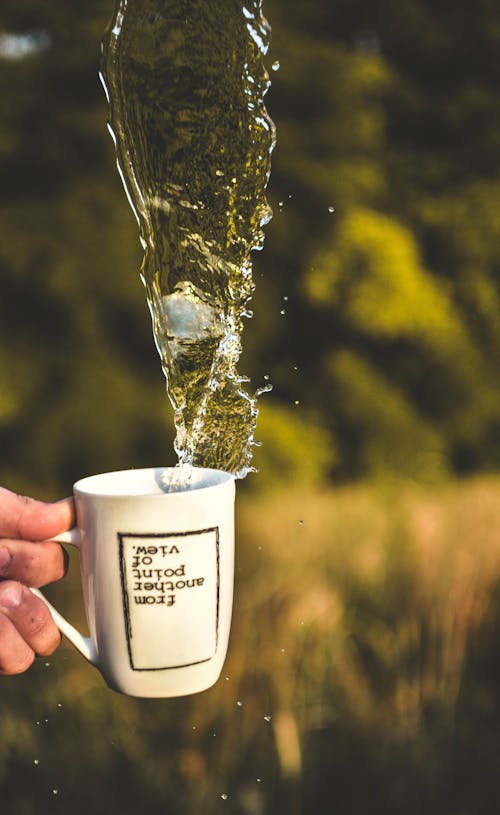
[
  {"x": 27, "y": 519},
  {"x": 34, "y": 564},
  {"x": 15, "y": 654},
  {"x": 31, "y": 618}
]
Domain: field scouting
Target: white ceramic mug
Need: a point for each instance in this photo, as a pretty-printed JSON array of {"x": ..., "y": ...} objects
[{"x": 157, "y": 565}]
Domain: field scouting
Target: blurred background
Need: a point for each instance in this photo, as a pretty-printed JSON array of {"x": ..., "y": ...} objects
[{"x": 364, "y": 664}]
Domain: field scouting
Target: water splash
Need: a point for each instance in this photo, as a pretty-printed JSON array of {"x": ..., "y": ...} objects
[{"x": 185, "y": 82}]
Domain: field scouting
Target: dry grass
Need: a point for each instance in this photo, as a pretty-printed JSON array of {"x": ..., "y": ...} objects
[
  {"x": 362, "y": 669},
  {"x": 363, "y": 602}
]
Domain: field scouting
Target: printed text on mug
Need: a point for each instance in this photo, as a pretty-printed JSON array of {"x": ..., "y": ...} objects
[{"x": 170, "y": 586}]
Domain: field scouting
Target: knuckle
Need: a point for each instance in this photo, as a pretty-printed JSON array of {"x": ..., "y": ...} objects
[
  {"x": 11, "y": 593},
  {"x": 39, "y": 628},
  {"x": 37, "y": 623}
]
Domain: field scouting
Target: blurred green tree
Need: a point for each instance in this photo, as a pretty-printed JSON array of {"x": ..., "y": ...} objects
[
  {"x": 79, "y": 382},
  {"x": 387, "y": 168},
  {"x": 377, "y": 301}
]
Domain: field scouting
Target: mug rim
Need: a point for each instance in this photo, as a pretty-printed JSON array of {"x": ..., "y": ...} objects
[{"x": 99, "y": 484}]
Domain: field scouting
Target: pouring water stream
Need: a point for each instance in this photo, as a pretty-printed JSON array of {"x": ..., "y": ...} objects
[{"x": 185, "y": 82}]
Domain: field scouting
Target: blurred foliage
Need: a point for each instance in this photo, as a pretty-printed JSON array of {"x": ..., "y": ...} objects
[
  {"x": 372, "y": 274},
  {"x": 386, "y": 114},
  {"x": 377, "y": 306},
  {"x": 293, "y": 448}
]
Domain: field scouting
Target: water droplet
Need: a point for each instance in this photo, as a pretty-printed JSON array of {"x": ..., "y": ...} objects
[
  {"x": 214, "y": 735},
  {"x": 282, "y": 312},
  {"x": 193, "y": 727},
  {"x": 331, "y": 209},
  {"x": 267, "y": 718},
  {"x": 297, "y": 402},
  {"x": 266, "y": 377},
  {"x": 259, "y": 392},
  {"x": 281, "y": 204},
  {"x": 36, "y": 762},
  {"x": 276, "y": 65},
  {"x": 295, "y": 368},
  {"x": 227, "y": 678},
  {"x": 282, "y": 650},
  {"x": 59, "y": 705},
  {"x": 55, "y": 792},
  {"x": 224, "y": 796},
  {"x": 46, "y": 721},
  {"x": 259, "y": 780},
  {"x": 285, "y": 297},
  {"x": 47, "y": 664},
  {"x": 37, "y": 722},
  {"x": 301, "y": 523},
  {"x": 240, "y": 704}
]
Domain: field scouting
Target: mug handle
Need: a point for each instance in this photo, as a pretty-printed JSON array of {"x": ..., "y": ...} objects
[{"x": 83, "y": 644}]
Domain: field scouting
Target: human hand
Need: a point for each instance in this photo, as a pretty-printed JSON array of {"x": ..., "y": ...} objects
[{"x": 28, "y": 558}]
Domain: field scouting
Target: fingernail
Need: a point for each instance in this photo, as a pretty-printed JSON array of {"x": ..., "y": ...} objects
[
  {"x": 11, "y": 595},
  {"x": 66, "y": 561},
  {"x": 5, "y": 557}
]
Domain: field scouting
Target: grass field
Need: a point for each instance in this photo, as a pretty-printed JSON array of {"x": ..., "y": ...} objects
[{"x": 363, "y": 672}]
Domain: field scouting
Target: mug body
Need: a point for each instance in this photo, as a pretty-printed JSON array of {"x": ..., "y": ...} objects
[{"x": 157, "y": 561}]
